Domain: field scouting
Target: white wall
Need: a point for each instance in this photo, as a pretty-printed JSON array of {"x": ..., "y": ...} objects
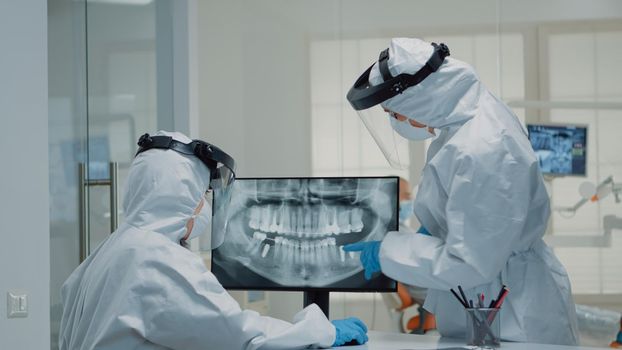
[
  {"x": 24, "y": 226},
  {"x": 254, "y": 96},
  {"x": 221, "y": 116},
  {"x": 254, "y": 89},
  {"x": 370, "y": 18}
]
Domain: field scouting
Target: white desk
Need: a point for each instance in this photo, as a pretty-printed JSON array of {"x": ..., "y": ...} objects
[{"x": 397, "y": 341}]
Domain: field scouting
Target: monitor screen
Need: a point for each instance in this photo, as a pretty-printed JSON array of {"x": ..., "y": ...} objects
[
  {"x": 561, "y": 149},
  {"x": 287, "y": 233}
]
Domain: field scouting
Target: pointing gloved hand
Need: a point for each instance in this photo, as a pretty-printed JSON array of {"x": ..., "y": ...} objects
[
  {"x": 348, "y": 330},
  {"x": 369, "y": 255}
]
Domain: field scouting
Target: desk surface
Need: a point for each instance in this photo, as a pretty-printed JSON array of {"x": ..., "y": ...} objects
[{"x": 397, "y": 341}]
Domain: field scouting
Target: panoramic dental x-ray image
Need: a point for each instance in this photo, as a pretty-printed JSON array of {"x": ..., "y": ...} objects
[
  {"x": 560, "y": 150},
  {"x": 288, "y": 233}
]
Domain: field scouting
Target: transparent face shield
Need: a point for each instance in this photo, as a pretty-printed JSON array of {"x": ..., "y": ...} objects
[
  {"x": 390, "y": 133},
  {"x": 393, "y": 146},
  {"x": 220, "y": 190}
]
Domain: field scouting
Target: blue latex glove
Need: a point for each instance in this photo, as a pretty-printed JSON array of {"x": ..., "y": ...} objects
[
  {"x": 423, "y": 231},
  {"x": 369, "y": 255},
  {"x": 348, "y": 330}
]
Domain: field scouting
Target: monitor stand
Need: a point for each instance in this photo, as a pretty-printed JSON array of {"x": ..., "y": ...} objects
[{"x": 319, "y": 298}]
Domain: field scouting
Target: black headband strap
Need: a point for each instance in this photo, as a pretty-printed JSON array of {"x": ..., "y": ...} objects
[
  {"x": 363, "y": 95},
  {"x": 432, "y": 65},
  {"x": 383, "y": 65},
  {"x": 147, "y": 142},
  {"x": 209, "y": 154}
]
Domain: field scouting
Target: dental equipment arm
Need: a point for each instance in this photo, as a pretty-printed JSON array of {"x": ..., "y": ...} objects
[{"x": 615, "y": 188}]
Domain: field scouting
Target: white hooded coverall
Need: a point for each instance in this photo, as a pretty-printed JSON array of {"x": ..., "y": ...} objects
[
  {"x": 483, "y": 199},
  {"x": 141, "y": 290}
]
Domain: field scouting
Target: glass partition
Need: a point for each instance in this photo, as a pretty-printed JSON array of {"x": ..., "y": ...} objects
[{"x": 105, "y": 90}]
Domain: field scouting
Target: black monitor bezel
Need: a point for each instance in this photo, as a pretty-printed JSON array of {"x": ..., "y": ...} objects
[
  {"x": 321, "y": 289},
  {"x": 561, "y": 125}
]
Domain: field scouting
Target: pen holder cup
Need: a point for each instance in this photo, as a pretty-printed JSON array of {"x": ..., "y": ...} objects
[{"x": 483, "y": 327}]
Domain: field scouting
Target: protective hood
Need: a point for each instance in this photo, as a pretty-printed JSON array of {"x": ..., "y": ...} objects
[
  {"x": 164, "y": 188},
  {"x": 446, "y": 97}
]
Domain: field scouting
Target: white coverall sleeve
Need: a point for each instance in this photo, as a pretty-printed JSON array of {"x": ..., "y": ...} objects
[
  {"x": 187, "y": 308},
  {"x": 485, "y": 212}
]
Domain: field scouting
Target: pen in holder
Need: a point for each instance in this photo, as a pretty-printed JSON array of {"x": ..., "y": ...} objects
[{"x": 483, "y": 327}]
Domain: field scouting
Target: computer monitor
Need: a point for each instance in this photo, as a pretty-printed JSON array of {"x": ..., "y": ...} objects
[
  {"x": 561, "y": 149},
  {"x": 287, "y": 233}
]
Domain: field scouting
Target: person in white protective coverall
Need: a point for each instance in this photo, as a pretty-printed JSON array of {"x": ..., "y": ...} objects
[
  {"x": 141, "y": 289},
  {"x": 407, "y": 295},
  {"x": 406, "y": 213},
  {"x": 481, "y": 196}
]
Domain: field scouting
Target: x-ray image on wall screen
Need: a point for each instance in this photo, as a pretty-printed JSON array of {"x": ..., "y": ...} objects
[
  {"x": 287, "y": 234},
  {"x": 561, "y": 149}
]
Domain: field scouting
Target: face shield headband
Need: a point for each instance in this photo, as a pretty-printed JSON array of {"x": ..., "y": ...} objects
[
  {"x": 363, "y": 95},
  {"x": 222, "y": 173},
  {"x": 390, "y": 134}
]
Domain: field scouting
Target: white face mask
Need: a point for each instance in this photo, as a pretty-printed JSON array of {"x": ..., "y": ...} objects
[
  {"x": 410, "y": 132},
  {"x": 201, "y": 221}
]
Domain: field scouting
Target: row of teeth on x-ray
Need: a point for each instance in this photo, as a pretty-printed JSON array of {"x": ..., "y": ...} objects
[
  {"x": 320, "y": 249},
  {"x": 310, "y": 221}
]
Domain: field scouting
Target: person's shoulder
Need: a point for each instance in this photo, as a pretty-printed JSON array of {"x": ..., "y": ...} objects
[
  {"x": 470, "y": 156},
  {"x": 457, "y": 152},
  {"x": 140, "y": 245},
  {"x": 482, "y": 141}
]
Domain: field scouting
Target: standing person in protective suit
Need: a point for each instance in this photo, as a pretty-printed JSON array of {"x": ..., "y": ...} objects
[
  {"x": 481, "y": 196},
  {"x": 406, "y": 212},
  {"x": 141, "y": 289}
]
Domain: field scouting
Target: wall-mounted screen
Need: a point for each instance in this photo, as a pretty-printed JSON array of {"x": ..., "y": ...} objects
[{"x": 561, "y": 149}]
